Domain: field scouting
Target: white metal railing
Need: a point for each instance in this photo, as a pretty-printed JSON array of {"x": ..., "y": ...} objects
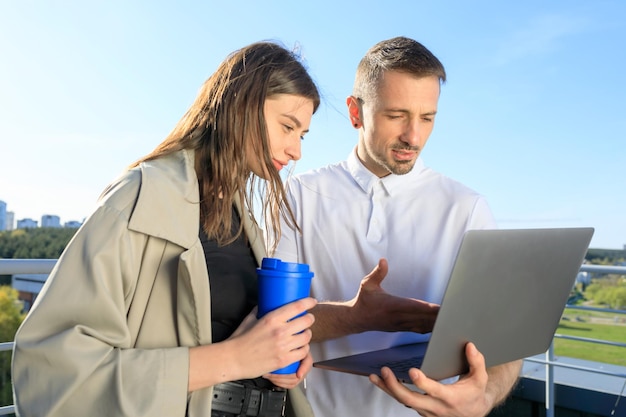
[
  {"x": 44, "y": 266},
  {"x": 26, "y": 266},
  {"x": 550, "y": 362},
  {"x": 604, "y": 269},
  {"x": 21, "y": 266},
  {"x": 7, "y": 409}
]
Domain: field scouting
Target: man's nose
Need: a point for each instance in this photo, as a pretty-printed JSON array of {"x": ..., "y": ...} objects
[{"x": 411, "y": 135}]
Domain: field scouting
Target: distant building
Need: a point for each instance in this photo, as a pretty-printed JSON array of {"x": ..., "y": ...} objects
[
  {"x": 29, "y": 286},
  {"x": 10, "y": 221},
  {"x": 73, "y": 224},
  {"x": 50, "y": 220},
  {"x": 26, "y": 224},
  {"x": 3, "y": 215}
]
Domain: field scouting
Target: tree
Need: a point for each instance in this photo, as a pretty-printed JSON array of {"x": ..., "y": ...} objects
[
  {"x": 618, "y": 298},
  {"x": 609, "y": 291},
  {"x": 37, "y": 243},
  {"x": 11, "y": 317}
]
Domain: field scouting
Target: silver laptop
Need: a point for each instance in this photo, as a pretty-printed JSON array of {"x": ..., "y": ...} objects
[{"x": 506, "y": 293}]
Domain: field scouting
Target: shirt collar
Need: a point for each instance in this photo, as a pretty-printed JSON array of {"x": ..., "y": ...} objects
[{"x": 391, "y": 183}]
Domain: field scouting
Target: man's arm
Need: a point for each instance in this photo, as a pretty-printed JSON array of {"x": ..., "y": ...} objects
[
  {"x": 502, "y": 379},
  {"x": 372, "y": 309}
]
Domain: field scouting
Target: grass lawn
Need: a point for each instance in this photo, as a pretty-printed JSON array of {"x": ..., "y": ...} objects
[{"x": 592, "y": 325}]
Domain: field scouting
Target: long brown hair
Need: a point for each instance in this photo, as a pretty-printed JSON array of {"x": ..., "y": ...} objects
[{"x": 228, "y": 112}]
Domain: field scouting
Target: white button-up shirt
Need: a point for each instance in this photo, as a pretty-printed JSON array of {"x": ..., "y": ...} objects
[{"x": 350, "y": 219}]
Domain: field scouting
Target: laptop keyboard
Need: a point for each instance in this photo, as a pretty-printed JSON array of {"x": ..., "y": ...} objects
[{"x": 402, "y": 365}]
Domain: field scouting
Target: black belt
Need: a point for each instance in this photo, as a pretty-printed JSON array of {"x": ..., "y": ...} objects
[{"x": 237, "y": 399}]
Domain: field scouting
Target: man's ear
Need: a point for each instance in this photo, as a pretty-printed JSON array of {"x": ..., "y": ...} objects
[{"x": 354, "y": 111}]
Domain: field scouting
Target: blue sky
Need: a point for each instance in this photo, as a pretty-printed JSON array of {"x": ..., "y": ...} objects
[{"x": 532, "y": 115}]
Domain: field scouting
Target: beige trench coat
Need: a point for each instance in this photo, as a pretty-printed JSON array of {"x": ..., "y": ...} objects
[{"x": 110, "y": 331}]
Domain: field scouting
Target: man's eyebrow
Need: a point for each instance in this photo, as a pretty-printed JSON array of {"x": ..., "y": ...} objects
[{"x": 393, "y": 110}]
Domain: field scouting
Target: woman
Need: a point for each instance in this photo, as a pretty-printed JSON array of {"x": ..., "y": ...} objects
[{"x": 144, "y": 312}]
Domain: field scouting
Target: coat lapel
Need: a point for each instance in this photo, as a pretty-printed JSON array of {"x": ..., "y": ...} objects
[{"x": 193, "y": 298}]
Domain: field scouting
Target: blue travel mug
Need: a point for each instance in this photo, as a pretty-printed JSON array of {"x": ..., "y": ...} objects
[{"x": 281, "y": 283}]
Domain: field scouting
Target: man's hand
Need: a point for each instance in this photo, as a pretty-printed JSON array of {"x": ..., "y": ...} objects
[
  {"x": 473, "y": 395},
  {"x": 373, "y": 309}
]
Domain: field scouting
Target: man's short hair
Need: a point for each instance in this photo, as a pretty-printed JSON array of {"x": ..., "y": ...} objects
[{"x": 396, "y": 54}]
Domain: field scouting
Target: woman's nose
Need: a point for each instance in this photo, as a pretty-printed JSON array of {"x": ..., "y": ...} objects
[{"x": 294, "y": 150}]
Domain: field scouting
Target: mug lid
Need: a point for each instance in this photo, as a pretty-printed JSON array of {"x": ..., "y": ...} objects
[{"x": 276, "y": 264}]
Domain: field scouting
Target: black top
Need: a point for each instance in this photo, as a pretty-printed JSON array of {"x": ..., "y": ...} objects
[
  {"x": 232, "y": 272},
  {"x": 234, "y": 292}
]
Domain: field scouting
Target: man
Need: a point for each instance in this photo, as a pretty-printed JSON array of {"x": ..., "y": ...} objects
[{"x": 383, "y": 202}]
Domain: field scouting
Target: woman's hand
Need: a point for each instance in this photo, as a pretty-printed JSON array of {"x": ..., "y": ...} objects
[
  {"x": 277, "y": 339},
  {"x": 257, "y": 347},
  {"x": 292, "y": 380}
]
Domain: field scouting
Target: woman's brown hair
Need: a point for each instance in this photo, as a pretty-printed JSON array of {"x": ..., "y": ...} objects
[{"x": 227, "y": 113}]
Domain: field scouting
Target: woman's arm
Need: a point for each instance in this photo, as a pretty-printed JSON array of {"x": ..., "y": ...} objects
[{"x": 73, "y": 353}]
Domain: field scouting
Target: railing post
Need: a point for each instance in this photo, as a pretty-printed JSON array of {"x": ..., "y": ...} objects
[{"x": 550, "y": 381}]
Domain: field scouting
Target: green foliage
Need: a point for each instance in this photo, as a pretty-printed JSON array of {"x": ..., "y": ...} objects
[
  {"x": 608, "y": 292},
  {"x": 10, "y": 319},
  {"x": 10, "y": 313},
  {"x": 592, "y": 325},
  {"x": 617, "y": 299},
  {"x": 36, "y": 243},
  {"x": 592, "y": 290}
]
